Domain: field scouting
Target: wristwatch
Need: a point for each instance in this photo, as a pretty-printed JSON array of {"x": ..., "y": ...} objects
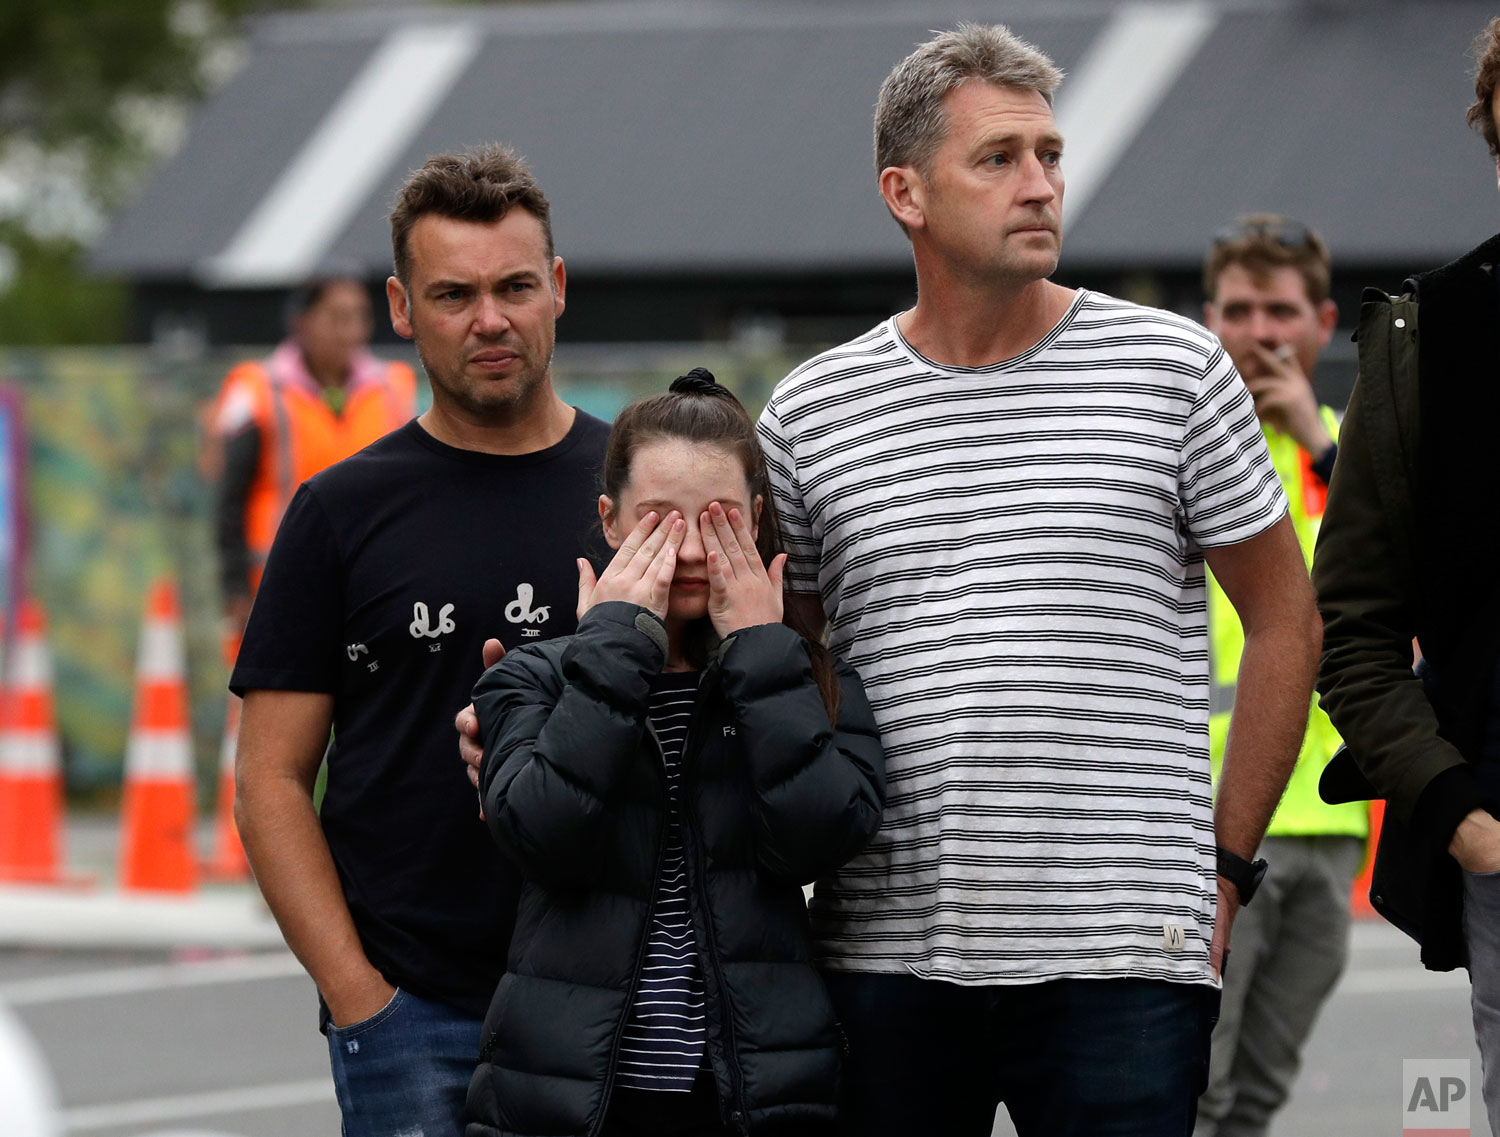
[{"x": 1244, "y": 875}]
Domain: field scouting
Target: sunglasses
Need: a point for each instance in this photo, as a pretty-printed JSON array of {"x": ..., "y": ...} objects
[{"x": 1287, "y": 234}]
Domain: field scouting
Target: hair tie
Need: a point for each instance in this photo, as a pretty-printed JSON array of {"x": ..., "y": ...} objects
[{"x": 700, "y": 381}]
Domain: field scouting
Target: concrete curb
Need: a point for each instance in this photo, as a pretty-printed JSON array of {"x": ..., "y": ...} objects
[{"x": 77, "y": 918}]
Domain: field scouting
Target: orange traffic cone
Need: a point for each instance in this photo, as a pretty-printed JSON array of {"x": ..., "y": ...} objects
[
  {"x": 228, "y": 861},
  {"x": 31, "y": 783},
  {"x": 1359, "y": 897},
  {"x": 156, "y": 848}
]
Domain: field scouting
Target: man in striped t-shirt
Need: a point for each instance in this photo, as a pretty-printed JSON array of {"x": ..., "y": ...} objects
[{"x": 1002, "y": 501}]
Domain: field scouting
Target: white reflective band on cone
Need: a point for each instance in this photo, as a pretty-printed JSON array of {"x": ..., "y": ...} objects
[
  {"x": 29, "y": 752},
  {"x": 31, "y": 665},
  {"x": 158, "y": 754},
  {"x": 161, "y": 655}
]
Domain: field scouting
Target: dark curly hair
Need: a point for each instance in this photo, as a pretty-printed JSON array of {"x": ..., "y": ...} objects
[{"x": 1481, "y": 115}]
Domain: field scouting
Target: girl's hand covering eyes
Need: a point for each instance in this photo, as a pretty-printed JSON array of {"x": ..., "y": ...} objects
[
  {"x": 642, "y": 568},
  {"x": 742, "y": 592}
]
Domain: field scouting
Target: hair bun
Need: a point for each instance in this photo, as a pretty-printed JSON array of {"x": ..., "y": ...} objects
[{"x": 699, "y": 381}]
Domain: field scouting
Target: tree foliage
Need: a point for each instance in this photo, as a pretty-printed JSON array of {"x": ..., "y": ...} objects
[
  {"x": 71, "y": 71},
  {"x": 82, "y": 83},
  {"x": 51, "y": 298}
]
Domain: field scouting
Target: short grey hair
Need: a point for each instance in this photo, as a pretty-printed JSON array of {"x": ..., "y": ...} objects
[{"x": 910, "y": 122}]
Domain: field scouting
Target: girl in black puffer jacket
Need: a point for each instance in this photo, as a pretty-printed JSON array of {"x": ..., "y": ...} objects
[{"x": 667, "y": 779}]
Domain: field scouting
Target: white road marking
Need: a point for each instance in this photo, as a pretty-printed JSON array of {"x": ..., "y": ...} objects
[
  {"x": 155, "y": 977},
  {"x": 373, "y": 121},
  {"x": 1117, "y": 86},
  {"x": 149, "y": 1111},
  {"x": 1358, "y": 981}
]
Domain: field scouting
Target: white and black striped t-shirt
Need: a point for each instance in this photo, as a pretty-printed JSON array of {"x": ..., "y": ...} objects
[
  {"x": 1011, "y": 557},
  {"x": 664, "y": 1038}
]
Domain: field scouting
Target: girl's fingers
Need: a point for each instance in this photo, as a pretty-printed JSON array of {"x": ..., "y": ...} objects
[
  {"x": 775, "y": 573},
  {"x": 727, "y": 540},
  {"x": 718, "y": 580},
  {"x": 652, "y": 546},
  {"x": 586, "y": 583},
  {"x": 631, "y": 545},
  {"x": 708, "y": 534},
  {"x": 637, "y": 537},
  {"x": 661, "y": 585},
  {"x": 676, "y": 532},
  {"x": 746, "y": 541},
  {"x": 671, "y": 540}
]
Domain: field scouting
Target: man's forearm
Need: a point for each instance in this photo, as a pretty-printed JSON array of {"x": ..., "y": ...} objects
[
  {"x": 287, "y": 850},
  {"x": 1272, "y": 698}
]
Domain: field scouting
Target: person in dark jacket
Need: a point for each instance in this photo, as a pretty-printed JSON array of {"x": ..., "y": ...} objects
[
  {"x": 1407, "y": 550},
  {"x": 666, "y": 780}
]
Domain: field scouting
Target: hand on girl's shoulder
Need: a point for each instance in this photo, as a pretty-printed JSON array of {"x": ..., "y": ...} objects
[{"x": 530, "y": 665}]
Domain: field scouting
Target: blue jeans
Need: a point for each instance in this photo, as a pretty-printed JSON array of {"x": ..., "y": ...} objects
[
  {"x": 404, "y": 1071},
  {"x": 1482, "y": 934},
  {"x": 1069, "y": 1058}
]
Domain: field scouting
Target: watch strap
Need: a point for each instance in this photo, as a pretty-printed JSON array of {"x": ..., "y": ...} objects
[{"x": 1244, "y": 875}]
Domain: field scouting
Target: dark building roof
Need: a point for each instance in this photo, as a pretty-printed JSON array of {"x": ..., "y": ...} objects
[{"x": 710, "y": 138}]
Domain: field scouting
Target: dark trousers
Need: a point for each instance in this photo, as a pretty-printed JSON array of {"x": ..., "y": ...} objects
[
  {"x": 1069, "y": 1058},
  {"x": 663, "y": 1113},
  {"x": 653, "y": 1113}
]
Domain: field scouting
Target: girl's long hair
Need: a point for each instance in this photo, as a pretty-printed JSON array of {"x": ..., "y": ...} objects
[{"x": 697, "y": 409}]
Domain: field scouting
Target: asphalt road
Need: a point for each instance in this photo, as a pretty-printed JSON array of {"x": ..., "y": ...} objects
[{"x": 140, "y": 1044}]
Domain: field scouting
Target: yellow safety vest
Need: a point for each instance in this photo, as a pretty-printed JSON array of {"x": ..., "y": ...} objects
[{"x": 1302, "y": 812}]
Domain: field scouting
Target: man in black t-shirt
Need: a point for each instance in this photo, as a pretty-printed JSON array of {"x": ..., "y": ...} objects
[{"x": 388, "y": 572}]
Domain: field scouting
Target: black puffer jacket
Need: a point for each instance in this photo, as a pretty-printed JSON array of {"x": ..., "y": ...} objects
[{"x": 575, "y": 791}]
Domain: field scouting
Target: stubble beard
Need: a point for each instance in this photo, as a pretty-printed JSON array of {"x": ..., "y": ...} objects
[
  {"x": 1028, "y": 265},
  {"x": 1007, "y": 265},
  {"x": 494, "y": 402},
  {"x": 1009, "y": 270}
]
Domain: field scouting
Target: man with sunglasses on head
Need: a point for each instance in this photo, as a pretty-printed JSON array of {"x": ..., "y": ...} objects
[
  {"x": 1410, "y": 549},
  {"x": 1266, "y": 279}
]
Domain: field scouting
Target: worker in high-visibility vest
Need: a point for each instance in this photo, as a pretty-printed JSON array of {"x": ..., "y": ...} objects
[
  {"x": 318, "y": 398},
  {"x": 1267, "y": 281}
]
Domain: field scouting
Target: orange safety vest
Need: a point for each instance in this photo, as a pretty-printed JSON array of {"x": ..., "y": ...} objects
[{"x": 300, "y": 435}]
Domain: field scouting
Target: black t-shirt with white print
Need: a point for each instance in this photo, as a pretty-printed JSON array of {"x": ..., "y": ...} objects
[{"x": 388, "y": 573}]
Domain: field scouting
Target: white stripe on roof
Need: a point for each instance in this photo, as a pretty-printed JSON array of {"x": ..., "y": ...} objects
[
  {"x": 1119, "y": 84},
  {"x": 290, "y": 232}
]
